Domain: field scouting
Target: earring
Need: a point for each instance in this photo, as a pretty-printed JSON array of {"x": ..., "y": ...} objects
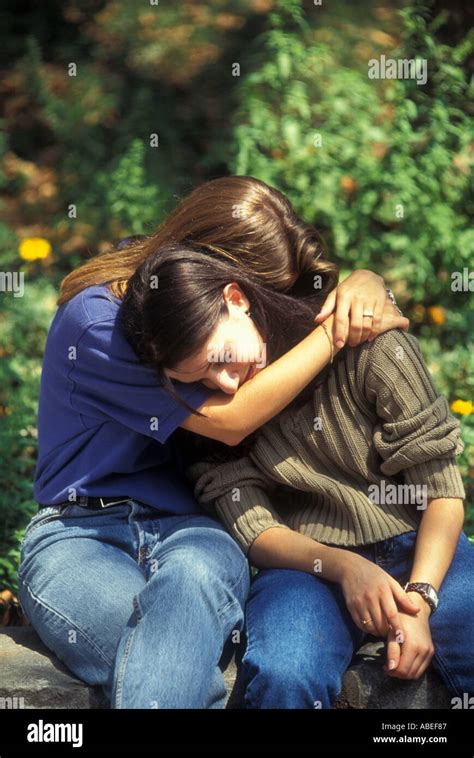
[{"x": 249, "y": 313}]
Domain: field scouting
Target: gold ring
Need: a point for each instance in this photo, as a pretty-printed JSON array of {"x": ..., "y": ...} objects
[
  {"x": 365, "y": 621},
  {"x": 368, "y": 315}
]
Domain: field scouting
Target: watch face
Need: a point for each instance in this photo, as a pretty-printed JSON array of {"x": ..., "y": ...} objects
[{"x": 431, "y": 593}]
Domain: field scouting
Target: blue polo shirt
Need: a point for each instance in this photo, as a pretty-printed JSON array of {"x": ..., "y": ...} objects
[{"x": 104, "y": 421}]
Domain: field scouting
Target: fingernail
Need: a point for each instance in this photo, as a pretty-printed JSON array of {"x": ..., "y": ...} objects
[
  {"x": 340, "y": 343},
  {"x": 391, "y": 664}
]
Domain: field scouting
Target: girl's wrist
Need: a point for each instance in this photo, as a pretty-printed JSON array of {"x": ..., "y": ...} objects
[
  {"x": 328, "y": 334},
  {"x": 419, "y": 601},
  {"x": 327, "y": 326},
  {"x": 341, "y": 566}
]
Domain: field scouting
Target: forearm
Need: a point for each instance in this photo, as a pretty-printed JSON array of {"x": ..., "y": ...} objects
[
  {"x": 438, "y": 535},
  {"x": 231, "y": 418},
  {"x": 257, "y": 404},
  {"x": 285, "y": 548}
]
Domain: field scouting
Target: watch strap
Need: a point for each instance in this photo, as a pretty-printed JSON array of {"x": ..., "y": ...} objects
[{"x": 427, "y": 592}]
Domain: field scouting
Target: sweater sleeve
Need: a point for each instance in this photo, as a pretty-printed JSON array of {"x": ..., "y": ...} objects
[
  {"x": 416, "y": 434},
  {"x": 238, "y": 493}
]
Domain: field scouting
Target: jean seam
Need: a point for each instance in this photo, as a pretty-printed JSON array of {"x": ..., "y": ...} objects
[
  {"x": 232, "y": 588},
  {"x": 117, "y": 696},
  {"x": 245, "y": 569},
  {"x": 247, "y": 677},
  {"x": 233, "y": 604},
  {"x": 137, "y": 607},
  {"x": 66, "y": 620}
]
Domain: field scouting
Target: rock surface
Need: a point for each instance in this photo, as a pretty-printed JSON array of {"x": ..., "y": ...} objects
[
  {"x": 33, "y": 678},
  {"x": 366, "y": 685}
]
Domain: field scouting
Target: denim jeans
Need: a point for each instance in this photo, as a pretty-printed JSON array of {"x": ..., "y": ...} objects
[
  {"x": 138, "y": 602},
  {"x": 301, "y": 637}
]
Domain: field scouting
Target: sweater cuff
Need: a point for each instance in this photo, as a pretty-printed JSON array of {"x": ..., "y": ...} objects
[
  {"x": 441, "y": 476},
  {"x": 249, "y": 517}
]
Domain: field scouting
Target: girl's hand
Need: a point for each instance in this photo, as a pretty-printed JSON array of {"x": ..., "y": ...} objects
[
  {"x": 410, "y": 654},
  {"x": 373, "y": 595},
  {"x": 362, "y": 292}
]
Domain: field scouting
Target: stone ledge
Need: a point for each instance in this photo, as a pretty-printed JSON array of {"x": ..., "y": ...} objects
[
  {"x": 33, "y": 678},
  {"x": 366, "y": 685},
  {"x": 36, "y": 678}
]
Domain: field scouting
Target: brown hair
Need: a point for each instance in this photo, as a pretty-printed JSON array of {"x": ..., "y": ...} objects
[{"x": 236, "y": 218}]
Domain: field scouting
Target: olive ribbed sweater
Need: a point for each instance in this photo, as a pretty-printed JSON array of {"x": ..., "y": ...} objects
[{"x": 337, "y": 468}]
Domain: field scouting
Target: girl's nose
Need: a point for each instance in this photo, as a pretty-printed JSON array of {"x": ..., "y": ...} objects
[{"x": 228, "y": 380}]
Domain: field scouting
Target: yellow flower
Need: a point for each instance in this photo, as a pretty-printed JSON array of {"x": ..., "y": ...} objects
[
  {"x": 463, "y": 407},
  {"x": 33, "y": 248},
  {"x": 437, "y": 314}
]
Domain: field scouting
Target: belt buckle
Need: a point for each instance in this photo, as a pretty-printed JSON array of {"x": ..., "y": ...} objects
[{"x": 114, "y": 502}]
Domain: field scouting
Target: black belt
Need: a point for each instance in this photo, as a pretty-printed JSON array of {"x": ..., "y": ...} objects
[{"x": 91, "y": 502}]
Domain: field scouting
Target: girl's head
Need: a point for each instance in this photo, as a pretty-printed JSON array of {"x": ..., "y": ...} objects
[
  {"x": 194, "y": 317},
  {"x": 237, "y": 219}
]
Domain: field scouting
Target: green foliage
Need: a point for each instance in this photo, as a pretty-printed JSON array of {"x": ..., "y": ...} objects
[
  {"x": 381, "y": 167},
  {"x": 128, "y": 195},
  {"x": 24, "y": 323},
  {"x": 8, "y": 238}
]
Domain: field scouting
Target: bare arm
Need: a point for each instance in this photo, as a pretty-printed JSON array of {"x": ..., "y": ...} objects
[
  {"x": 359, "y": 578},
  {"x": 436, "y": 541},
  {"x": 230, "y": 418},
  {"x": 285, "y": 548},
  {"x": 438, "y": 535}
]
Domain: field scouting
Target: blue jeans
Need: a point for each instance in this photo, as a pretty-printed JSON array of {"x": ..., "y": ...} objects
[
  {"x": 135, "y": 601},
  {"x": 301, "y": 637}
]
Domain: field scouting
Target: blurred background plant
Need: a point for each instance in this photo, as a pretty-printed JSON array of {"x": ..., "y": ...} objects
[{"x": 381, "y": 167}]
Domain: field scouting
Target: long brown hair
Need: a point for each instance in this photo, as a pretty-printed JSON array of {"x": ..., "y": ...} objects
[{"x": 237, "y": 218}]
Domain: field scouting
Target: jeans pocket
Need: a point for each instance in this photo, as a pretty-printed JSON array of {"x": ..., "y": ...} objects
[{"x": 44, "y": 516}]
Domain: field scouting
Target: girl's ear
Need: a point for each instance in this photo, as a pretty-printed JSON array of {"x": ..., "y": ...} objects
[{"x": 233, "y": 296}]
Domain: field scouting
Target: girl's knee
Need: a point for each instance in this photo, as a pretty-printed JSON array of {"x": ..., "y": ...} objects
[{"x": 289, "y": 681}]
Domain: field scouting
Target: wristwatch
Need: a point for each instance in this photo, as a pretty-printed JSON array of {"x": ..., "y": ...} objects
[
  {"x": 391, "y": 297},
  {"x": 427, "y": 592}
]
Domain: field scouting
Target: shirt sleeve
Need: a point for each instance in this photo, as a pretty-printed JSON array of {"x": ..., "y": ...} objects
[
  {"x": 417, "y": 433},
  {"x": 109, "y": 382},
  {"x": 238, "y": 493}
]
